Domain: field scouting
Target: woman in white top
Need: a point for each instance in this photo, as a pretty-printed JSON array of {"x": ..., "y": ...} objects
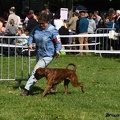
[
  {"x": 13, "y": 16},
  {"x": 58, "y": 23}
]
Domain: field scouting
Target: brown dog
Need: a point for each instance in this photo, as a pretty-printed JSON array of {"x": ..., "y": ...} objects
[{"x": 56, "y": 76}]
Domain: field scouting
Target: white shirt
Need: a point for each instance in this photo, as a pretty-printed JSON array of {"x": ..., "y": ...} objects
[{"x": 58, "y": 23}]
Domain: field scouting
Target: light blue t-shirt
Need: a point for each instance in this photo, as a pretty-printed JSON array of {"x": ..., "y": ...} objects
[{"x": 47, "y": 40}]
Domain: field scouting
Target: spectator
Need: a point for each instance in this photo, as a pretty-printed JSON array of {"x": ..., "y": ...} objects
[
  {"x": 86, "y": 14},
  {"x": 91, "y": 28},
  {"x": 101, "y": 23},
  {"x": 20, "y": 41},
  {"x": 27, "y": 17},
  {"x": 13, "y": 16},
  {"x": 49, "y": 13},
  {"x": 111, "y": 12},
  {"x": 5, "y": 15},
  {"x": 31, "y": 23},
  {"x": 2, "y": 27},
  {"x": 83, "y": 29},
  {"x": 48, "y": 45},
  {"x": 92, "y": 24},
  {"x": 111, "y": 24},
  {"x": 57, "y": 22},
  {"x": 117, "y": 19},
  {"x": 117, "y": 24},
  {"x": 64, "y": 31},
  {"x": 11, "y": 28},
  {"x": 97, "y": 17},
  {"x": 72, "y": 26}
]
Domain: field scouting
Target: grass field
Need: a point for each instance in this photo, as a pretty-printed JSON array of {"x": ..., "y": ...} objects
[{"x": 101, "y": 100}]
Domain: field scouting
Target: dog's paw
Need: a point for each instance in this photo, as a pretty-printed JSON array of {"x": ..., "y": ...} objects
[
  {"x": 53, "y": 91},
  {"x": 66, "y": 93},
  {"x": 83, "y": 91}
]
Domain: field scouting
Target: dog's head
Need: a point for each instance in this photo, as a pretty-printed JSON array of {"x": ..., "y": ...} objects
[{"x": 39, "y": 73}]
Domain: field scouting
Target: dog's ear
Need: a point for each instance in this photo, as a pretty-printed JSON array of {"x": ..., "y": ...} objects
[{"x": 39, "y": 73}]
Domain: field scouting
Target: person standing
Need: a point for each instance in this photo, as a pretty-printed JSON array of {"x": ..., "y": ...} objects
[
  {"x": 117, "y": 20},
  {"x": 97, "y": 17},
  {"x": 31, "y": 13},
  {"x": 57, "y": 22},
  {"x": 11, "y": 29},
  {"x": 83, "y": 29},
  {"x": 91, "y": 29},
  {"x": 49, "y": 13},
  {"x": 13, "y": 16},
  {"x": 2, "y": 26},
  {"x": 31, "y": 23},
  {"x": 72, "y": 26},
  {"x": 48, "y": 45}
]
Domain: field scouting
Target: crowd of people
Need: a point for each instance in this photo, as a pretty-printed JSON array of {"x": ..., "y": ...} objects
[
  {"x": 86, "y": 22},
  {"x": 82, "y": 22}
]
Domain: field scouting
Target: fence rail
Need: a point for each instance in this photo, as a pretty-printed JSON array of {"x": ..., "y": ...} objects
[{"x": 13, "y": 67}]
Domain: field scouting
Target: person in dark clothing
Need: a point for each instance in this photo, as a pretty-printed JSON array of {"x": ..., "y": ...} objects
[
  {"x": 64, "y": 31},
  {"x": 64, "y": 40},
  {"x": 31, "y": 23},
  {"x": 116, "y": 43}
]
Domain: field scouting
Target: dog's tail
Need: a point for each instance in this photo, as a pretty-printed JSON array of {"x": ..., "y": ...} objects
[{"x": 71, "y": 64}]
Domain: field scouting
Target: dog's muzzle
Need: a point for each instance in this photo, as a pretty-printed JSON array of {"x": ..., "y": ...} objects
[{"x": 37, "y": 76}]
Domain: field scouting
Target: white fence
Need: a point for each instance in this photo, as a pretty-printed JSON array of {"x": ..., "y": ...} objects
[
  {"x": 13, "y": 67},
  {"x": 102, "y": 42}
]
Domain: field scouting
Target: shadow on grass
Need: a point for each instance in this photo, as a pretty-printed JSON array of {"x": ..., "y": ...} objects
[
  {"x": 34, "y": 90},
  {"x": 38, "y": 90},
  {"x": 110, "y": 55}
]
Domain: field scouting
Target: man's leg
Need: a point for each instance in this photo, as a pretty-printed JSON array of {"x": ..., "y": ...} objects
[
  {"x": 81, "y": 39},
  {"x": 86, "y": 46}
]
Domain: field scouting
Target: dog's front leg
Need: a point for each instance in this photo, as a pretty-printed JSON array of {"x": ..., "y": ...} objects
[{"x": 46, "y": 90}]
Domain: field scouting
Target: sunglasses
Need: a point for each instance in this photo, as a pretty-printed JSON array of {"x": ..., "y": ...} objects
[{"x": 42, "y": 23}]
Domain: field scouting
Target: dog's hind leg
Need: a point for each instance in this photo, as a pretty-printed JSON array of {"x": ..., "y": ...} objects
[
  {"x": 82, "y": 87},
  {"x": 66, "y": 82},
  {"x": 76, "y": 84}
]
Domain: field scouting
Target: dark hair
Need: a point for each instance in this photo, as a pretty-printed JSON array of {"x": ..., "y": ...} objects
[
  {"x": 57, "y": 16},
  {"x": 2, "y": 20},
  {"x": 21, "y": 29},
  {"x": 76, "y": 13},
  {"x": 43, "y": 17},
  {"x": 30, "y": 16},
  {"x": 90, "y": 15}
]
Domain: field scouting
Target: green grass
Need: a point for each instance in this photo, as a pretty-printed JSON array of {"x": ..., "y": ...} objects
[{"x": 100, "y": 76}]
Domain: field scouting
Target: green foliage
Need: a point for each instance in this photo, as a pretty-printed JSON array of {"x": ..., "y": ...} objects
[{"x": 101, "y": 79}]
